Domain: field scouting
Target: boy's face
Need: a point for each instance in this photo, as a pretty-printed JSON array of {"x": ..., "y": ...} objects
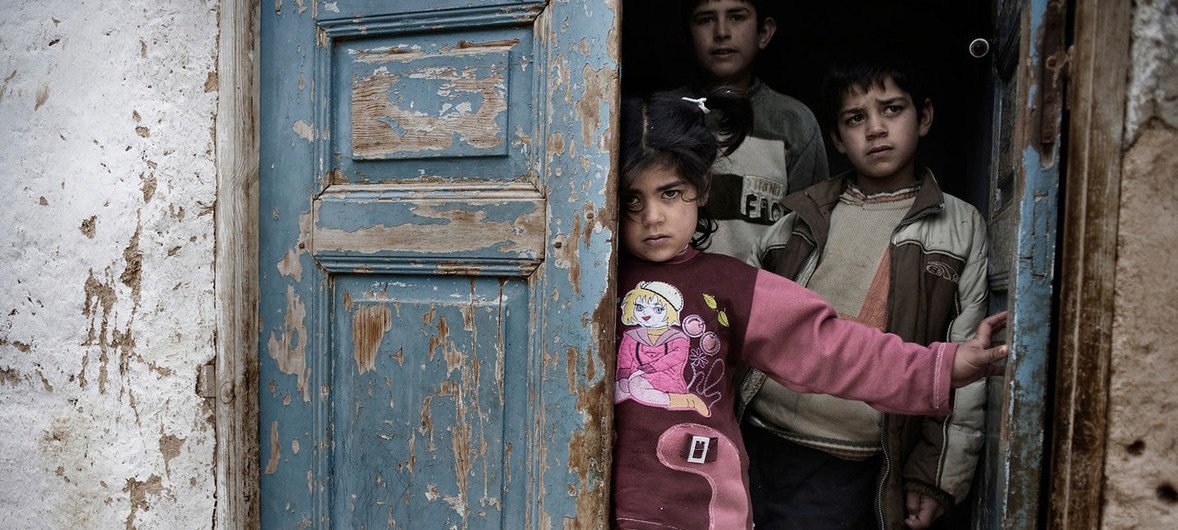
[
  {"x": 726, "y": 39},
  {"x": 661, "y": 209},
  {"x": 878, "y": 130}
]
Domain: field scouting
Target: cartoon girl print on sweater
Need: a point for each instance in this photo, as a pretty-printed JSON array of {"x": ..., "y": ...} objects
[{"x": 653, "y": 355}]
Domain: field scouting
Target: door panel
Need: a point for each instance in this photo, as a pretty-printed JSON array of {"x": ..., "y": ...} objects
[
  {"x": 429, "y": 416},
  {"x": 436, "y": 250},
  {"x": 467, "y": 105}
]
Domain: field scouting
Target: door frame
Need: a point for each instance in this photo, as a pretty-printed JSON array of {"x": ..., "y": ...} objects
[
  {"x": 235, "y": 265},
  {"x": 1100, "y": 63}
]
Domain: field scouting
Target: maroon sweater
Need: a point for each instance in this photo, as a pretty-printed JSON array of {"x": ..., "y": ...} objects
[{"x": 679, "y": 460}]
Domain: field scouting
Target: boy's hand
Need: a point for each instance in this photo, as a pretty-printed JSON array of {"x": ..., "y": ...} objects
[
  {"x": 974, "y": 356},
  {"x": 922, "y": 510}
]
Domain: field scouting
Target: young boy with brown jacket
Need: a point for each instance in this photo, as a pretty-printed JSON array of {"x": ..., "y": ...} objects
[{"x": 887, "y": 248}]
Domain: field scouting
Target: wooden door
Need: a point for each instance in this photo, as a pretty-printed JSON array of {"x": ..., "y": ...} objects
[
  {"x": 1026, "y": 108},
  {"x": 436, "y": 262}
]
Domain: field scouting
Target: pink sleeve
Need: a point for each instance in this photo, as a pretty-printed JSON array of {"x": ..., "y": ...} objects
[{"x": 795, "y": 337}]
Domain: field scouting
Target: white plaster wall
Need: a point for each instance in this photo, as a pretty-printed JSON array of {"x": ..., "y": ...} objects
[
  {"x": 106, "y": 262},
  {"x": 1141, "y": 471},
  {"x": 1153, "y": 82}
]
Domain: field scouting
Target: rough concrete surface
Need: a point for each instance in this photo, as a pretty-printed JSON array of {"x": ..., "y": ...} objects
[
  {"x": 1141, "y": 473},
  {"x": 106, "y": 256}
]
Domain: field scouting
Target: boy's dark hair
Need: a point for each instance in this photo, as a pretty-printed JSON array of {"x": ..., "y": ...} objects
[
  {"x": 844, "y": 77},
  {"x": 759, "y": 7},
  {"x": 673, "y": 133}
]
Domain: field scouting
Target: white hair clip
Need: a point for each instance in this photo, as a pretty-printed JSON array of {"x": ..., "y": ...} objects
[{"x": 701, "y": 103}]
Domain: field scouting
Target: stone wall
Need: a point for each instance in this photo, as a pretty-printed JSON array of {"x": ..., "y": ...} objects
[
  {"x": 1141, "y": 472},
  {"x": 106, "y": 276}
]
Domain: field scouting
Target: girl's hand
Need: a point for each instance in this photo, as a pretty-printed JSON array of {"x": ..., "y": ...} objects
[{"x": 975, "y": 356}]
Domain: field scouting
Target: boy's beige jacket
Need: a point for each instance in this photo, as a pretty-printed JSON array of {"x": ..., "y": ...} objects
[{"x": 938, "y": 292}]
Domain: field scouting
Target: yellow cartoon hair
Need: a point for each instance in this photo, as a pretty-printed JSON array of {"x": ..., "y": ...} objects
[{"x": 639, "y": 294}]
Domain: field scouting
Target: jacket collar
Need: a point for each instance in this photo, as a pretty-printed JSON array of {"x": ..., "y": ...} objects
[{"x": 814, "y": 204}]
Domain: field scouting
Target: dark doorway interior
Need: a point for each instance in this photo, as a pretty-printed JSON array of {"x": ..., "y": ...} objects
[{"x": 936, "y": 34}]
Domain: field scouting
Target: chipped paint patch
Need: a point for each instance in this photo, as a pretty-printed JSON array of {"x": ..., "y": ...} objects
[
  {"x": 382, "y": 127},
  {"x": 304, "y": 130},
  {"x": 149, "y": 185},
  {"x": 9, "y": 376},
  {"x": 462, "y": 229},
  {"x": 290, "y": 266},
  {"x": 275, "y": 450},
  {"x": 138, "y": 492},
  {"x": 289, "y": 348},
  {"x": 42, "y": 97},
  {"x": 566, "y": 249},
  {"x": 88, "y": 226},
  {"x": 599, "y": 88},
  {"x": 170, "y": 448},
  {"x": 100, "y": 298},
  {"x": 369, "y": 325},
  {"x": 133, "y": 271},
  {"x": 4, "y": 85}
]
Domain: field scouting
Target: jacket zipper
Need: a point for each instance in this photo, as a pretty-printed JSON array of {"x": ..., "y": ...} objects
[
  {"x": 807, "y": 269},
  {"x": 883, "y": 479},
  {"x": 883, "y": 433}
]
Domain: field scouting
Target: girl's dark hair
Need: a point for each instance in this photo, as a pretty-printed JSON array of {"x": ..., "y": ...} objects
[{"x": 677, "y": 134}]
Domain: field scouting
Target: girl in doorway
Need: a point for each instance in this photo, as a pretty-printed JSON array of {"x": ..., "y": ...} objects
[{"x": 689, "y": 318}]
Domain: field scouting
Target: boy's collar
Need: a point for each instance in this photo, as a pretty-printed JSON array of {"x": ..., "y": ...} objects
[{"x": 886, "y": 195}]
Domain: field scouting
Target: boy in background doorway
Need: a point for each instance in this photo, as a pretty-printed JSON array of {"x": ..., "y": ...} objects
[
  {"x": 784, "y": 151},
  {"x": 888, "y": 249}
]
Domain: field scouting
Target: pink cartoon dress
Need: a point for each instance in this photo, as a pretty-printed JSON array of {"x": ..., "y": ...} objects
[{"x": 653, "y": 356}]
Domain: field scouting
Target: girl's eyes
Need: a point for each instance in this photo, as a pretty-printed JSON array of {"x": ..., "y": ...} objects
[{"x": 632, "y": 203}]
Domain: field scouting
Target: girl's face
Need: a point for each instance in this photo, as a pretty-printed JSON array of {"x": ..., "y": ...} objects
[
  {"x": 660, "y": 214},
  {"x": 650, "y": 313}
]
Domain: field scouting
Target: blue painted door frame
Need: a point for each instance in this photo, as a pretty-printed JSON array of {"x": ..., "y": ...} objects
[
  {"x": 1026, "y": 153},
  {"x": 436, "y": 261}
]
